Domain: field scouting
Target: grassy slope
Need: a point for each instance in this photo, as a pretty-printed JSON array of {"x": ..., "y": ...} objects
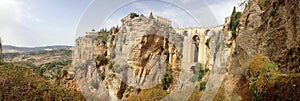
[
  {"x": 154, "y": 94},
  {"x": 19, "y": 83}
]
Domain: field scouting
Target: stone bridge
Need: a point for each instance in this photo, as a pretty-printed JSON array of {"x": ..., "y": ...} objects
[{"x": 194, "y": 43}]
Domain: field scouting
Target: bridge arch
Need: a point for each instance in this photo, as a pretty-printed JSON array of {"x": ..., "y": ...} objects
[{"x": 196, "y": 40}]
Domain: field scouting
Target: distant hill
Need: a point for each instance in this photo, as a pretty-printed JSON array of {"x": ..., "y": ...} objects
[{"x": 14, "y": 49}]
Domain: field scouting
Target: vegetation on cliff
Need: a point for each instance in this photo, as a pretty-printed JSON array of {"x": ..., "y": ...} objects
[
  {"x": 234, "y": 21},
  {"x": 48, "y": 64},
  {"x": 20, "y": 83},
  {"x": 268, "y": 84}
]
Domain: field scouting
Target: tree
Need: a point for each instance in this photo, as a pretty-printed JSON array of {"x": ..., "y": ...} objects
[
  {"x": 234, "y": 21},
  {"x": 151, "y": 16},
  {"x": 133, "y": 15}
]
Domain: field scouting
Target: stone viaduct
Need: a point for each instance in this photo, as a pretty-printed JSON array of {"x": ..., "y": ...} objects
[{"x": 194, "y": 43}]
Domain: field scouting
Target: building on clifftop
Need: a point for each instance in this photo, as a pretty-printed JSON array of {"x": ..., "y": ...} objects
[{"x": 161, "y": 20}]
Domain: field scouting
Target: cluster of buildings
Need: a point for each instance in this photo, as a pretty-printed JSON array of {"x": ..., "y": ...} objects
[
  {"x": 158, "y": 19},
  {"x": 198, "y": 51},
  {"x": 197, "y": 35}
]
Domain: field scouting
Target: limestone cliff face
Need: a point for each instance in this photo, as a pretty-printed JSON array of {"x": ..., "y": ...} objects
[
  {"x": 145, "y": 44},
  {"x": 272, "y": 30},
  {"x": 134, "y": 56},
  {"x": 269, "y": 28},
  {"x": 84, "y": 67}
]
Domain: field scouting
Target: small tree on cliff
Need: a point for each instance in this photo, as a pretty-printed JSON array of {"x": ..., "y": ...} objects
[
  {"x": 133, "y": 15},
  {"x": 234, "y": 21}
]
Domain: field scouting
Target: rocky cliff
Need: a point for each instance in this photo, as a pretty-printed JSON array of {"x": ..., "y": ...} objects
[
  {"x": 254, "y": 57},
  {"x": 139, "y": 55},
  {"x": 261, "y": 53}
]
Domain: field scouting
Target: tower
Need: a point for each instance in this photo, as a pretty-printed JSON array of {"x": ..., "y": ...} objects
[{"x": 151, "y": 16}]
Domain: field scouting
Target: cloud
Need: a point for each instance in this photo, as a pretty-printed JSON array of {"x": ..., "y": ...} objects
[
  {"x": 15, "y": 18},
  {"x": 17, "y": 11},
  {"x": 178, "y": 16},
  {"x": 222, "y": 9},
  {"x": 186, "y": 1},
  {"x": 211, "y": 13},
  {"x": 11, "y": 11},
  {"x": 113, "y": 21}
]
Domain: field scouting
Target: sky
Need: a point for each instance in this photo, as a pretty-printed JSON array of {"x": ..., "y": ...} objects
[{"x": 34, "y": 23}]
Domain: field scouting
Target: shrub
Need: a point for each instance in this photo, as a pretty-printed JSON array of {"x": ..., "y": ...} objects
[
  {"x": 199, "y": 73},
  {"x": 234, "y": 21},
  {"x": 65, "y": 72},
  {"x": 101, "y": 60},
  {"x": 261, "y": 71},
  {"x": 262, "y": 4},
  {"x": 166, "y": 52},
  {"x": 273, "y": 12},
  {"x": 116, "y": 68},
  {"x": 202, "y": 86},
  {"x": 166, "y": 80},
  {"x": 133, "y": 15},
  {"x": 153, "y": 94},
  {"x": 102, "y": 36},
  {"x": 234, "y": 54}
]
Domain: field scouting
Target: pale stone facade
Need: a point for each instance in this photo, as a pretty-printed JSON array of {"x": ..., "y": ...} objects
[
  {"x": 158, "y": 19},
  {"x": 125, "y": 19},
  {"x": 163, "y": 21},
  {"x": 198, "y": 36}
]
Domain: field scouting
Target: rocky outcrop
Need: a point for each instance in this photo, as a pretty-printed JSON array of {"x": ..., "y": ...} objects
[
  {"x": 267, "y": 28},
  {"x": 134, "y": 56},
  {"x": 271, "y": 29},
  {"x": 145, "y": 44}
]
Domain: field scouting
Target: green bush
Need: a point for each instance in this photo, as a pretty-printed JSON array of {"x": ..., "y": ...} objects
[
  {"x": 234, "y": 21},
  {"x": 116, "y": 68},
  {"x": 273, "y": 12},
  {"x": 234, "y": 54},
  {"x": 102, "y": 36},
  {"x": 199, "y": 73},
  {"x": 202, "y": 86},
  {"x": 101, "y": 60},
  {"x": 65, "y": 72},
  {"x": 262, "y": 69},
  {"x": 262, "y": 3},
  {"x": 165, "y": 52},
  {"x": 166, "y": 80},
  {"x": 133, "y": 15}
]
